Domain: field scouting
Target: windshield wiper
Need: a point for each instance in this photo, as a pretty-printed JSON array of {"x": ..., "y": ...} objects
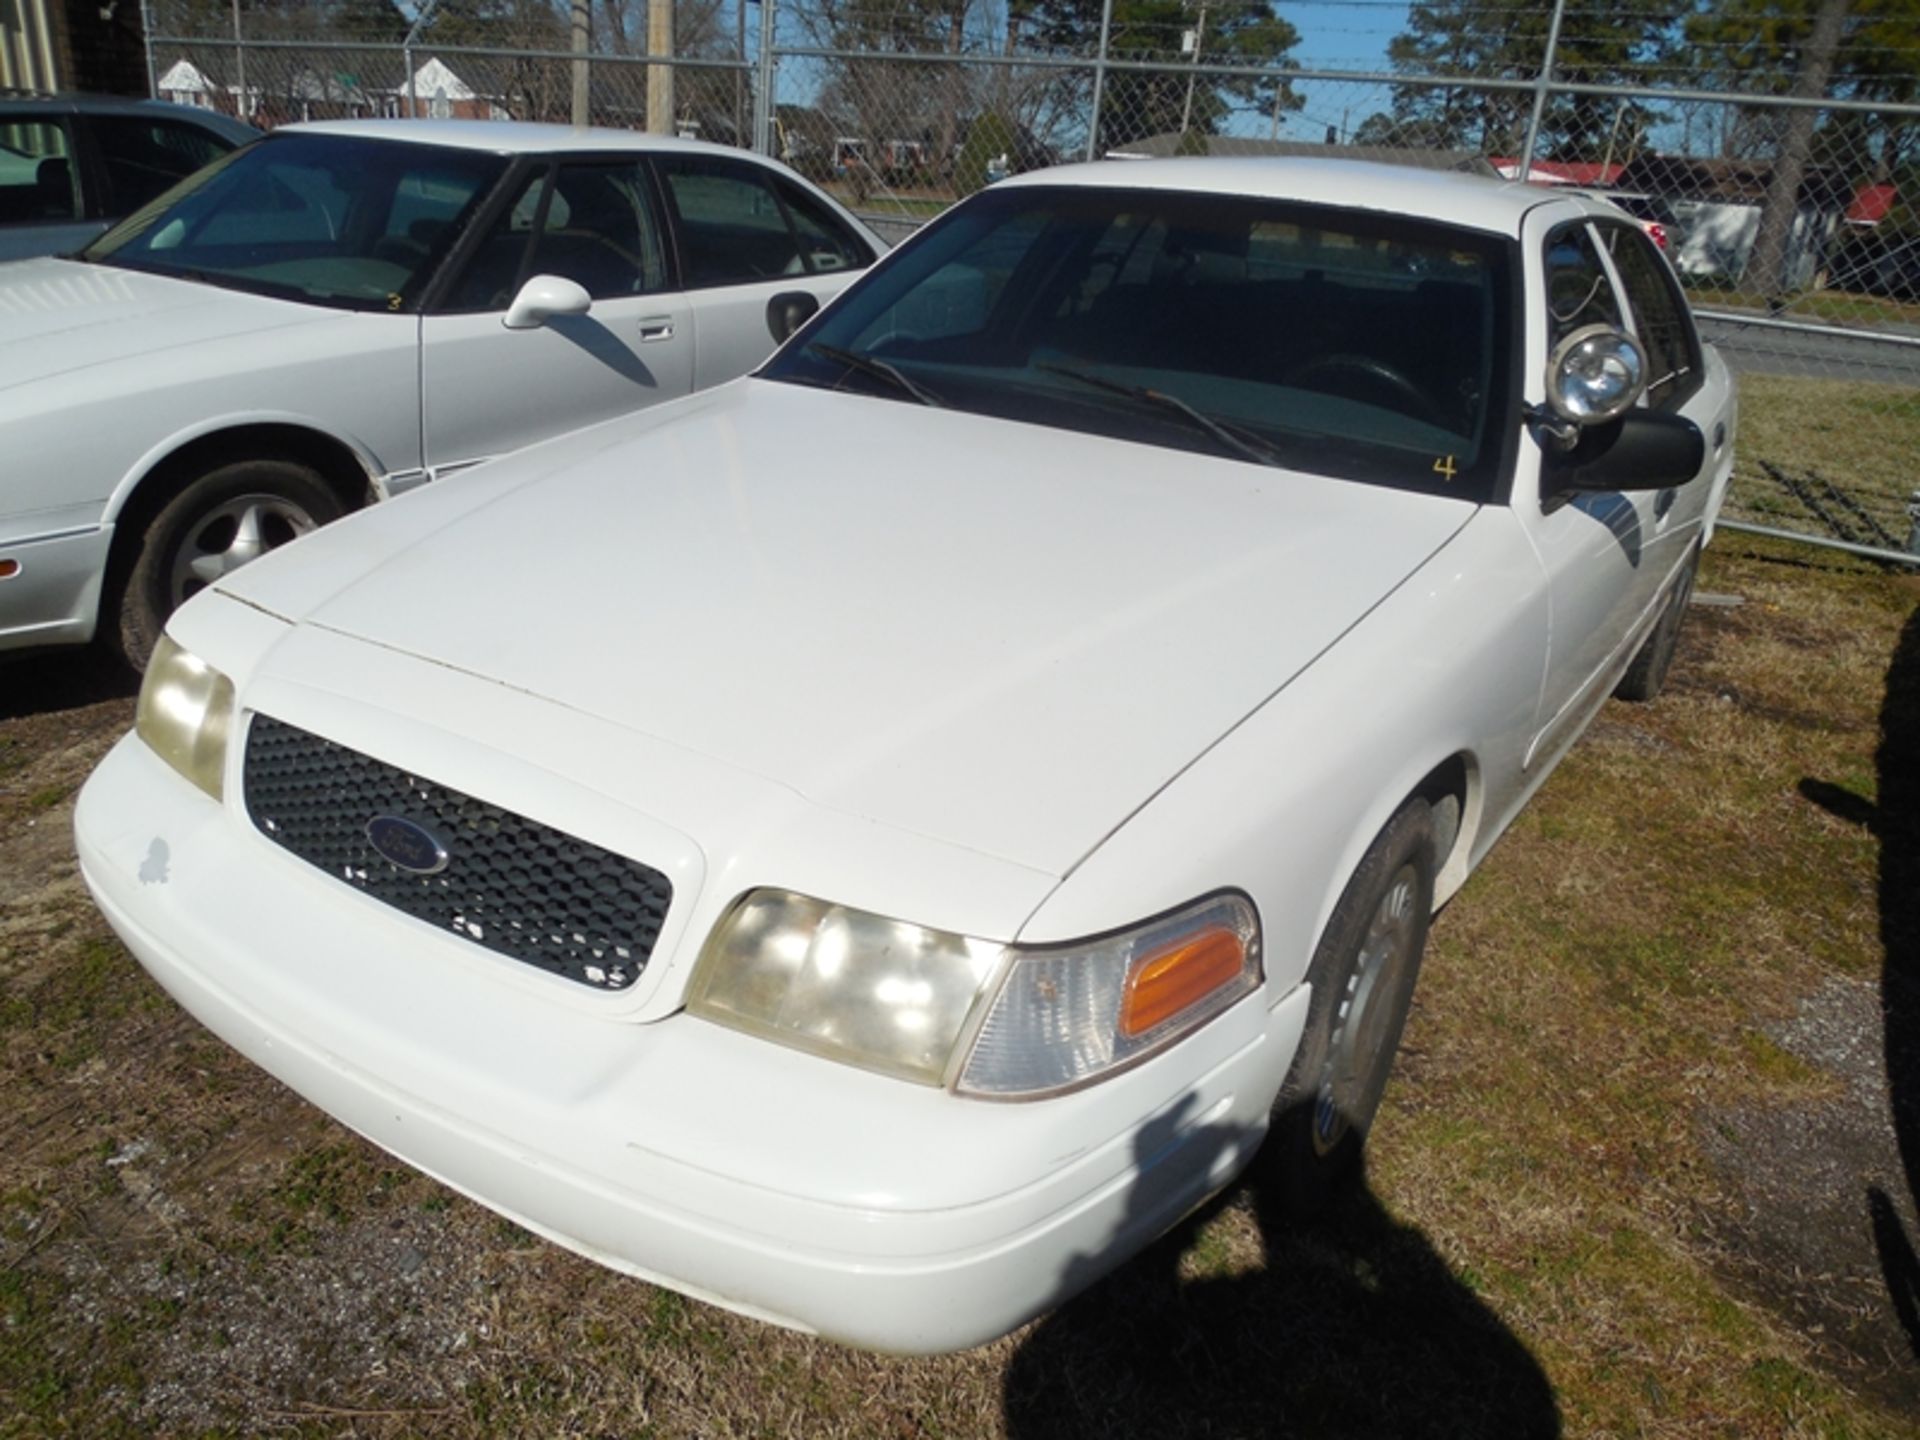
[
  {"x": 1235, "y": 438},
  {"x": 880, "y": 370}
]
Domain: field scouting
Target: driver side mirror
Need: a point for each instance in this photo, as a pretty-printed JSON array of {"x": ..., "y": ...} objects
[
  {"x": 1642, "y": 450},
  {"x": 788, "y": 311},
  {"x": 542, "y": 298}
]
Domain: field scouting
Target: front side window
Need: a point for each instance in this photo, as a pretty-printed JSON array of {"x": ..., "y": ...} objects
[
  {"x": 327, "y": 219},
  {"x": 36, "y": 173},
  {"x": 1579, "y": 292},
  {"x": 1660, "y": 319},
  {"x": 594, "y": 224},
  {"x": 1341, "y": 342}
]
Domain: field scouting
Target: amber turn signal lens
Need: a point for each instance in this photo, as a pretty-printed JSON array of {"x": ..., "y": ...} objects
[
  {"x": 9, "y": 569},
  {"x": 1164, "y": 984}
]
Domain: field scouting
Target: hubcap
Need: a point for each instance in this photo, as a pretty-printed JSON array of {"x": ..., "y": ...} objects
[
  {"x": 228, "y": 536},
  {"x": 1364, "y": 1013}
]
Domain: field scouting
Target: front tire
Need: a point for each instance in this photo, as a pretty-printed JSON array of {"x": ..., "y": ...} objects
[
  {"x": 1647, "y": 675},
  {"x": 218, "y": 523},
  {"x": 1362, "y": 975}
]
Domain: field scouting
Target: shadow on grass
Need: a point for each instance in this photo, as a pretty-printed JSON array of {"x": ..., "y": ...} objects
[
  {"x": 1895, "y": 822},
  {"x": 1354, "y": 1326},
  {"x": 40, "y": 683}
]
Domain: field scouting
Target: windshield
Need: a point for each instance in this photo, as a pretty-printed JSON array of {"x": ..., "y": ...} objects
[
  {"x": 1345, "y": 342},
  {"x": 329, "y": 219}
]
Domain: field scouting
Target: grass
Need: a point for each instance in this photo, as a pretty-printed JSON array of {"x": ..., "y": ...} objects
[
  {"x": 1548, "y": 1239},
  {"x": 1870, "y": 311},
  {"x": 1859, "y": 436}
]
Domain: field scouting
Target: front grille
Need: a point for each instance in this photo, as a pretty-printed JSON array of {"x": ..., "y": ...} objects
[{"x": 509, "y": 883}]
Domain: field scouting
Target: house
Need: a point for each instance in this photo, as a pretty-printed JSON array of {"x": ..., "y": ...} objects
[
  {"x": 1718, "y": 202},
  {"x": 1591, "y": 175},
  {"x": 437, "y": 92},
  {"x": 297, "y": 90}
]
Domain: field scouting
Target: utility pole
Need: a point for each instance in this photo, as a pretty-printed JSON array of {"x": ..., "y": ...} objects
[
  {"x": 660, "y": 112},
  {"x": 582, "y": 31}
]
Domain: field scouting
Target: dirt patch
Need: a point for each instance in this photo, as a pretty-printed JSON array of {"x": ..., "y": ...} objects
[{"x": 1800, "y": 1229}]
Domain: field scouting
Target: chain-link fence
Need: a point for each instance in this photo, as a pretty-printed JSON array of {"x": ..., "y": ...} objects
[{"x": 1770, "y": 147}]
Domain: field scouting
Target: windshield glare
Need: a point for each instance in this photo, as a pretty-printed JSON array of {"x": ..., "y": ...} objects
[
  {"x": 1345, "y": 342},
  {"x": 329, "y": 219}
]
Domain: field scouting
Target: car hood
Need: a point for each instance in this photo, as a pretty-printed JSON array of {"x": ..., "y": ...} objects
[
  {"x": 1003, "y": 636},
  {"x": 58, "y": 316}
]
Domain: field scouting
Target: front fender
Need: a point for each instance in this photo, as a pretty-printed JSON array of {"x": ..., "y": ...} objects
[
  {"x": 1285, "y": 805},
  {"x": 158, "y": 452}
]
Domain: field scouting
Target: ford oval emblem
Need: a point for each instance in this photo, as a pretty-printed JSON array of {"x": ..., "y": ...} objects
[{"x": 413, "y": 848}]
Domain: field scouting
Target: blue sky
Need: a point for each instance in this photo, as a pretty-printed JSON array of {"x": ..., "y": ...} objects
[{"x": 1345, "y": 36}]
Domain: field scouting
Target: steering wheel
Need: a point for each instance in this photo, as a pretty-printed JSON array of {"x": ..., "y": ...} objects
[
  {"x": 401, "y": 250},
  {"x": 1366, "y": 375}
]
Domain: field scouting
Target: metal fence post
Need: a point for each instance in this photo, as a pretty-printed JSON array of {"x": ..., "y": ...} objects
[
  {"x": 146, "y": 37},
  {"x": 420, "y": 22},
  {"x": 1099, "y": 80},
  {"x": 763, "y": 106},
  {"x": 1541, "y": 86},
  {"x": 240, "y": 62}
]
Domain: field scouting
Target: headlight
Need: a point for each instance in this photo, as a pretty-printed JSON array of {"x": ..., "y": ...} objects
[
  {"x": 186, "y": 711},
  {"x": 898, "y": 998},
  {"x": 851, "y": 986}
]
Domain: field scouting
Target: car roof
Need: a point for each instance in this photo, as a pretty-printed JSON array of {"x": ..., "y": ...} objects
[
  {"x": 510, "y": 136},
  {"x": 237, "y": 131},
  {"x": 1450, "y": 196}
]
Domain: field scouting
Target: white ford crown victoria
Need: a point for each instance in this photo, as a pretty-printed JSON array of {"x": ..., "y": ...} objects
[
  {"x": 346, "y": 310},
  {"x": 874, "y": 844}
]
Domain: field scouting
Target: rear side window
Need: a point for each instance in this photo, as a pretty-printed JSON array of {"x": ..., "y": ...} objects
[
  {"x": 1660, "y": 319},
  {"x": 739, "y": 223},
  {"x": 733, "y": 228},
  {"x": 825, "y": 243},
  {"x": 145, "y": 158},
  {"x": 36, "y": 173}
]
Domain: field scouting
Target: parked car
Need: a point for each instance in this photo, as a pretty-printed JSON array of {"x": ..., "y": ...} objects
[
  {"x": 874, "y": 844},
  {"x": 341, "y": 311},
  {"x": 71, "y": 165},
  {"x": 1873, "y": 264}
]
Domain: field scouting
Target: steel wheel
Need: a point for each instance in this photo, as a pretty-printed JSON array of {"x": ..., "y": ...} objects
[
  {"x": 1365, "y": 1015},
  {"x": 1362, "y": 978}
]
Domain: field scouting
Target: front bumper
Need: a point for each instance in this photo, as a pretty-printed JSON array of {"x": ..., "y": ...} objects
[
  {"x": 888, "y": 1215},
  {"x": 55, "y": 596}
]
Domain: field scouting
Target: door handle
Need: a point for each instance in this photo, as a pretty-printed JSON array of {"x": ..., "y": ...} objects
[
  {"x": 656, "y": 327},
  {"x": 1720, "y": 437}
]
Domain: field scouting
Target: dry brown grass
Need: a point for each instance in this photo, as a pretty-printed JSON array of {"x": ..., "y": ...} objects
[
  {"x": 1859, "y": 436},
  {"x": 1551, "y": 1237}
]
